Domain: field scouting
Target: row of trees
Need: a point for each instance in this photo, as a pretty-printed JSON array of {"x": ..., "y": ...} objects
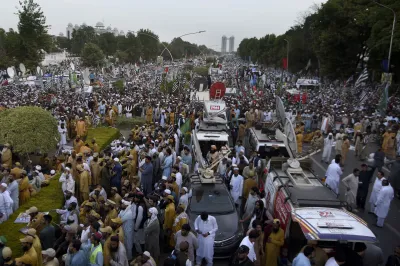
[
  {"x": 338, "y": 37},
  {"x": 28, "y": 44}
]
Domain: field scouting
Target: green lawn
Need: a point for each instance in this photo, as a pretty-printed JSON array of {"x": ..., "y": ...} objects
[
  {"x": 50, "y": 197},
  {"x": 103, "y": 135}
]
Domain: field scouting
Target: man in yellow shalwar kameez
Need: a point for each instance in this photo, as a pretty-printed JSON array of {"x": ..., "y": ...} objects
[
  {"x": 274, "y": 243},
  {"x": 387, "y": 136},
  {"x": 81, "y": 128},
  {"x": 169, "y": 216},
  {"x": 84, "y": 182},
  {"x": 77, "y": 143},
  {"x": 149, "y": 115},
  {"x": 6, "y": 156},
  {"x": 180, "y": 219},
  {"x": 24, "y": 193},
  {"x": 299, "y": 140},
  {"x": 172, "y": 117}
]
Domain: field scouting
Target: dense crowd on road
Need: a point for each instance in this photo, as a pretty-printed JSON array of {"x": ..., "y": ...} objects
[{"x": 127, "y": 205}]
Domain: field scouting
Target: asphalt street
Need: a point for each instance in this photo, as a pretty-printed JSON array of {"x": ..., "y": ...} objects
[{"x": 388, "y": 236}]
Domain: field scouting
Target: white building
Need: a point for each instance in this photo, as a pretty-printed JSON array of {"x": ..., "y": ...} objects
[
  {"x": 99, "y": 29},
  {"x": 54, "y": 58}
]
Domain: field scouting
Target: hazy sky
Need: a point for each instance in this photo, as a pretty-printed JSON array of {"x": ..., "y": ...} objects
[{"x": 169, "y": 19}]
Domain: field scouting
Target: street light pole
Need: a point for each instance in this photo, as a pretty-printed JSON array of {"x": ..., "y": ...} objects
[
  {"x": 192, "y": 33},
  {"x": 287, "y": 53},
  {"x": 391, "y": 37}
]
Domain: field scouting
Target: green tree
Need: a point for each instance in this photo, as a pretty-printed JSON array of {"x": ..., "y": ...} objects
[
  {"x": 92, "y": 55},
  {"x": 107, "y": 43},
  {"x": 149, "y": 42},
  {"x": 33, "y": 33},
  {"x": 28, "y": 129},
  {"x": 80, "y": 37}
]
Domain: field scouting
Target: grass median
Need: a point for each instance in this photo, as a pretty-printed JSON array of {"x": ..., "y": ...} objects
[{"x": 49, "y": 198}]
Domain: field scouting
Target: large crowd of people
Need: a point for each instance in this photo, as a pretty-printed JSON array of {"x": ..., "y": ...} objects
[{"x": 126, "y": 205}]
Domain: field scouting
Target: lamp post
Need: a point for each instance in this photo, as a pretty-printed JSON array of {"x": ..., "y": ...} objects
[
  {"x": 391, "y": 37},
  {"x": 192, "y": 33},
  {"x": 148, "y": 35},
  {"x": 287, "y": 53}
]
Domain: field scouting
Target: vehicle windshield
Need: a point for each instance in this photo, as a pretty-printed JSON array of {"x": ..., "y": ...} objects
[{"x": 211, "y": 199}]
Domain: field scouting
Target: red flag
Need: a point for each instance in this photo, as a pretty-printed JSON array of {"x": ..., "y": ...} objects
[{"x": 284, "y": 63}]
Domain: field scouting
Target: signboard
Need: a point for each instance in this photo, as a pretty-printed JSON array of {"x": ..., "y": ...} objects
[
  {"x": 214, "y": 107},
  {"x": 332, "y": 225},
  {"x": 270, "y": 192},
  {"x": 307, "y": 82},
  {"x": 282, "y": 209}
]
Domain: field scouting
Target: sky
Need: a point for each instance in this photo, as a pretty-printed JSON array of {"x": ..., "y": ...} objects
[{"x": 173, "y": 18}]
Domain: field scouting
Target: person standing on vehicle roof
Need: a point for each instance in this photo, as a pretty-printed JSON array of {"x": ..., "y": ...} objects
[{"x": 236, "y": 185}]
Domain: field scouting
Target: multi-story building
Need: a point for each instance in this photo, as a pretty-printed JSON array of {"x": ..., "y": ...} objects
[
  {"x": 231, "y": 44},
  {"x": 224, "y": 44}
]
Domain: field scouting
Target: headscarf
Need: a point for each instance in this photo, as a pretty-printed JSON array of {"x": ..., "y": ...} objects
[{"x": 153, "y": 217}]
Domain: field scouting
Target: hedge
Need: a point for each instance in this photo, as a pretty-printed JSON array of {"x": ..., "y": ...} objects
[
  {"x": 50, "y": 197},
  {"x": 103, "y": 135},
  {"x": 123, "y": 121}
]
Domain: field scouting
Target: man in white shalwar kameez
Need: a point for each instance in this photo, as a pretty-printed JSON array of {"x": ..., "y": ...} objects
[
  {"x": 8, "y": 200},
  {"x": 375, "y": 190},
  {"x": 68, "y": 182},
  {"x": 236, "y": 185},
  {"x": 63, "y": 135},
  {"x": 127, "y": 217},
  {"x": 328, "y": 142},
  {"x": 332, "y": 175},
  {"x": 206, "y": 226},
  {"x": 351, "y": 184},
  {"x": 382, "y": 204},
  {"x": 13, "y": 188}
]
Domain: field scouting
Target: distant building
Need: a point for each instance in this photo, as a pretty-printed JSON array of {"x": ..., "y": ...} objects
[
  {"x": 54, "y": 58},
  {"x": 223, "y": 44},
  {"x": 231, "y": 44},
  {"x": 99, "y": 28}
]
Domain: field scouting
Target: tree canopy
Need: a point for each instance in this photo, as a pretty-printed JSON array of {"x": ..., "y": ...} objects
[
  {"x": 28, "y": 129},
  {"x": 337, "y": 37},
  {"x": 32, "y": 39},
  {"x": 92, "y": 55}
]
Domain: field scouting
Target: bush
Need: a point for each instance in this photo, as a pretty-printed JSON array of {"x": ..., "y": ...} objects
[
  {"x": 103, "y": 135},
  {"x": 28, "y": 129},
  {"x": 202, "y": 71},
  {"x": 124, "y": 121},
  {"x": 49, "y": 198}
]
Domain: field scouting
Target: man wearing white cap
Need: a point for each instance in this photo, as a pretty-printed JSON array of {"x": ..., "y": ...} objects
[
  {"x": 328, "y": 142},
  {"x": 13, "y": 188},
  {"x": 236, "y": 185},
  {"x": 49, "y": 257},
  {"x": 8, "y": 202},
  {"x": 68, "y": 182},
  {"x": 184, "y": 199}
]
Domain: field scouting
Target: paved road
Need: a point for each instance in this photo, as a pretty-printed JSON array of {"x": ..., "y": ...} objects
[{"x": 389, "y": 235}]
